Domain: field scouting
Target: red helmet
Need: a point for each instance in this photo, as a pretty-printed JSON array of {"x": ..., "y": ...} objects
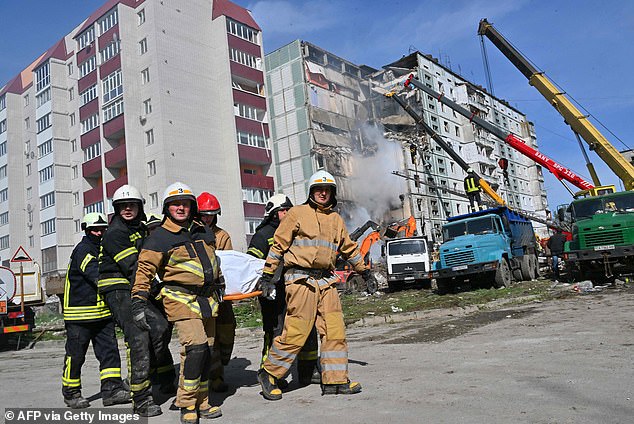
[{"x": 208, "y": 204}]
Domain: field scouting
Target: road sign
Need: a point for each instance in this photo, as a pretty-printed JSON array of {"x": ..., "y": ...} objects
[{"x": 21, "y": 256}]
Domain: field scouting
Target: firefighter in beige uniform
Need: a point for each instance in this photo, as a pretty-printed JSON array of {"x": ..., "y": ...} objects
[
  {"x": 208, "y": 210},
  {"x": 308, "y": 240},
  {"x": 181, "y": 252}
]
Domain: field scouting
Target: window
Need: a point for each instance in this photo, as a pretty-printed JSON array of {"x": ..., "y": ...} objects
[
  {"x": 92, "y": 151},
  {"x": 3, "y": 126},
  {"x": 89, "y": 123},
  {"x": 88, "y": 95},
  {"x": 71, "y": 93},
  {"x": 242, "y": 31},
  {"x": 72, "y": 119},
  {"x": 42, "y": 78},
  {"x": 77, "y": 225},
  {"x": 149, "y": 137},
  {"x": 73, "y": 145},
  {"x": 49, "y": 259},
  {"x": 75, "y": 170},
  {"x": 115, "y": 109},
  {"x": 143, "y": 46},
  {"x": 4, "y": 195},
  {"x": 29, "y": 193},
  {"x": 145, "y": 76},
  {"x": 251, "y": 224},
  {"x": 46, "y": 173},
  {"x": 153, "y": 200},
  {"x": 75, "y": 198},
  {"x": 43, "y": 123},
  {"x": 108, "y": 21},
  {"x": 27, "y": 123},
  {"x": 48, "y": 227},
  {"x": 147, "y": 106},
  {"x": 3, "y": 102},
  {"x": 47, "y": 200},
  {"x": 4, "y": 218},
  {"x": 45, "y": 148},
  {"x": 255, "y": 195},
  {"x": 86, "y": 38},
  {"x": 3, "y": 172},
  {"x": 248, "y": 112},
  {"x": 28, "y": 169},
  {"x": 87, "y": 67},
  {"x": 112, "y": 86},
  {"x": 251, "y": 139},
  {"x": 95, "y": 207},
  {"x": 3, "y": 148},
  {"x": 151, "y": 168},
  {"x": 110, "y": 51},
  {"x": 141, "y": 16},
  {"x": 4, "y": 242},
  {"x": 245, "y": 59},
  {"x": 43, "y": 98},
  {"x": 71, "y": 68}
]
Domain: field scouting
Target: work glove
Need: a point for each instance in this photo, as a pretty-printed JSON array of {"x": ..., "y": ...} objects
[
  {"x": 138, "y": 313},
  {"x": 266, "y": 284},
  {"x": 370, "y": 281}
]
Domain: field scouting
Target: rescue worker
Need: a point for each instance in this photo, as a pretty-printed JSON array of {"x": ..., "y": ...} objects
[
  {"x": 182, "y": 253},
  {"x": 274, "y": 310},
  {"x": 556, "y": 244},
  {"x": 161, "y": 361},
  {"x": 117, "y": 266},
  {"x": 472, "y": 187},
  {"x": 208, "y": 210},
  {"x": 87, "y": 319},
  {"x": 308, "y": 241}
]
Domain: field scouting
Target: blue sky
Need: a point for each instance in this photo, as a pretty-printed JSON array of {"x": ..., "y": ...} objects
[{"x": 586, "y": 47}]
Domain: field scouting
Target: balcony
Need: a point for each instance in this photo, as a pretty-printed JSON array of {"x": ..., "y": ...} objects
[
  {"x": 88, "y": 109},
  {"x": 116, "y": 158},
  {"x": 90, "y": 138},
  {"x": 253, "y": 210},
  {"x": 251, "y": 126},
  {"x": 254, "y": 155},
  {"x": 243, "y": 45},
  {"x": 114, "y": 128},
  {"x": 110, "y": 66},
  {"x": 250, "y": 99},
  {"x": 92, "y": 168},
  {"x": 87, "y": 81},
  {"x": 246, "y": 72},
  {"x": 113, "y": 185},
  {"x": 108, "y": 36},
  {"x": 257, "y": 181},
  {"x": 93, "y": 195}
]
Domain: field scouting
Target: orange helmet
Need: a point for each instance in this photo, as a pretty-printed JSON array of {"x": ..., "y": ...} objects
[{"x": 208, "y": 204}]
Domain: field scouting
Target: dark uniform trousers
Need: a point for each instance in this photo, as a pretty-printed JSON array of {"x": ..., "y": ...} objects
[
  {"x": 161, "y": 361},
  {"x": 104, "y": 343},
  {"x": 137, "y": 342}
]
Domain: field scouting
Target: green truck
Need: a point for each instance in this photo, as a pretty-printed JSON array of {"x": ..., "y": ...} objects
[{"x": 602, "y": 245}]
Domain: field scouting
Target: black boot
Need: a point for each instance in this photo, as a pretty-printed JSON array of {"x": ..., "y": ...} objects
[
  {"x": 189, "y": 415},
  {"x": 348, "y": 388},
  {"x": 270, "y": 390},
  {"x": 77, "y": 401},
  {"x": 147, "y": 408},
  {"x": 119, "y": 397}
]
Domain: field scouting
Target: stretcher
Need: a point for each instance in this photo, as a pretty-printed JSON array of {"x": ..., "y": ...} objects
[{"x": 241, "y": 273}]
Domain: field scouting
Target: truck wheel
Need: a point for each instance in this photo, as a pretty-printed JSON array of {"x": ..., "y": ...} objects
[
  {"x": 536, "y": 266},
  {"x": 503, "y": 275},
  {"x": 442, "y": 286},
  {"x": 527, "y": 266}
]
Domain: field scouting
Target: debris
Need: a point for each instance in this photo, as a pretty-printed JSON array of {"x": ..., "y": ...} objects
[
  {"x": 583, "y": 286},
  {"x": 396, "y": 309}
]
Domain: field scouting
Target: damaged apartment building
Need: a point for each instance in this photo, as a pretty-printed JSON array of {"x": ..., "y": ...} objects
[{"x": 322, "y": 111}]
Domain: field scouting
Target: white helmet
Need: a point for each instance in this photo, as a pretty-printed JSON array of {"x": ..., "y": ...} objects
[
  {"x": 179, "y": 191},
  {"x": 276, "y": 203},
  {"x": 127, "y": 193},
  {"x": 323, "y": 178},
  {"x": 94, "y": 219}
]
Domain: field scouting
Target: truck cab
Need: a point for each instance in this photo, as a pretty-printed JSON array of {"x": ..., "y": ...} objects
[
  {"x": 407, "y": 261},
  {"x": 484, "y": 247}
]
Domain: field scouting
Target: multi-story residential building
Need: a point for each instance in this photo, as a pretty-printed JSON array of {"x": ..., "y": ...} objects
[
  {"x": 142, "y": 92},
  {"x": 321, "y": 104}
]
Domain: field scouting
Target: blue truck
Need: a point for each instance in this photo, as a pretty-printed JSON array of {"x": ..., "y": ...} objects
[{"x": 490, "y": 247}]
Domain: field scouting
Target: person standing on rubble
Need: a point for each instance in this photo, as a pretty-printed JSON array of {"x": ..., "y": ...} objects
[
  {"x": 117, "y": 266},
  {"x": 182, "y": 253},
  {"x": 88, "y": 319},
  {"x": 208, "y": 211},
  {"x": 274, "y": 310},
  {"x": 472, "y": 188},
  {"x": 308, "y": 241},
  {"x": 556, "y": 244}
]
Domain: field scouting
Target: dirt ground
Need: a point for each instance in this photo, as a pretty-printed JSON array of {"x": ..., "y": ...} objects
[{"x": 561, "y": 361}]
